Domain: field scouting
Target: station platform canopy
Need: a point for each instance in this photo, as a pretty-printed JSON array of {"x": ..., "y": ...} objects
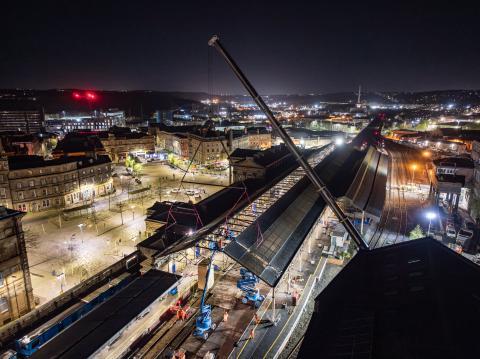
[
  {"x": 86, "y": 336},
  {"x": 210, "y": 212},
  {"x": 286, "y": 223},
  {"x": 367, "y": 191}
]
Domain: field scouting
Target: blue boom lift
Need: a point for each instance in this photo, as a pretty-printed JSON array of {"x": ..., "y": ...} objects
[
  {"x": 248, "y": 284},
  {"x": 203, "y": 323}
]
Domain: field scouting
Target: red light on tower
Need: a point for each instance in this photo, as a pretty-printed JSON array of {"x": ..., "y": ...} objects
[
  {"x": 91, "y": 96},
  {"x": 76, "y": 96}
]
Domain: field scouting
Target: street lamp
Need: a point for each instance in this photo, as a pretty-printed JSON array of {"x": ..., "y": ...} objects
[
  {"x": 81, "y": 225},
  {"x": 430, "y": 215},
  {"x": 426, "y": 154},
  {"x": 414, "y": 167}
]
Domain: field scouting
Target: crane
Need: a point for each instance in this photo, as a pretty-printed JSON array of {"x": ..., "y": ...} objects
[{"x": 312, "y": 175}]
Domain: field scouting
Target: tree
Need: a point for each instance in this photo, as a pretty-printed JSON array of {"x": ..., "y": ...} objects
[
  {"x": 417, "y": 233},
  {"x": 137, "y": 168},
  {"x": 129, "y": 161},
  {"x": 422, "y": 125}
]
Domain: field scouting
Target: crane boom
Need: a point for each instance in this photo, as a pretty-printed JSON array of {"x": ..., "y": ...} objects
[{"x": 312, "y": 175}]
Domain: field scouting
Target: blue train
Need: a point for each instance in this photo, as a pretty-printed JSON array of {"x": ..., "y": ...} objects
[{"x": 26, "y": 346}]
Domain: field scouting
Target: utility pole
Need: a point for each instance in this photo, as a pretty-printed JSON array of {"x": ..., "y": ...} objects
[{"x": 311, "y": 174}]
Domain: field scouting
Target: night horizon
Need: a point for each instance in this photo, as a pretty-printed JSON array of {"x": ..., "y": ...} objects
[{"x": 299, "y": 49}]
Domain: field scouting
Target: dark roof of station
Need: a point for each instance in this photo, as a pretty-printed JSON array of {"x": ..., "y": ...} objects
[
  {"x": 416, "y": 299},
  {"x": 213, "y": 209},
  {"x": 287, "y": 222},
  {"x": 367, "y": 191},
  {"x": 83, "y": 338}
]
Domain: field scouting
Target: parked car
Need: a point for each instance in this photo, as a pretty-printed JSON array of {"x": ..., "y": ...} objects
[
  {"x": 450, "y": 230},
  {"x": 138, "y": 181},
  {"x": 176, "y": 190},
  {"x": 463, "y": 235},
  {"x": 189, "y": 192}
]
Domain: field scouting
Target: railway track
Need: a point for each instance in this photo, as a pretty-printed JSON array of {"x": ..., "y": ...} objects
[{"x": 395, "y": 205}]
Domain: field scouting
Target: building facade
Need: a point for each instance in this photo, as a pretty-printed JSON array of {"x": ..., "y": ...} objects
[
  {"x": 33, "y": 184},
  {"x": 95, "y": 121},
  {"x": 204, "y": 146},
  {"x": 16, "y": 294},
  {"x": 118, "y": 146},
  {"x": 28, "y": 121},
  {"x": 452, "y": 182}
]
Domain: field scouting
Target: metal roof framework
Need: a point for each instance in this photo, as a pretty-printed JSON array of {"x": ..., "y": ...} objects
[{"x": 287, "y": 222}]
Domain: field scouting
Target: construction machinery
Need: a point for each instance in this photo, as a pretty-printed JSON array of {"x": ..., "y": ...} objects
[
  {"x": 248, "y": 283},
  {"x": 311, "y": 174},
  {"x": 203, "y": 323}
]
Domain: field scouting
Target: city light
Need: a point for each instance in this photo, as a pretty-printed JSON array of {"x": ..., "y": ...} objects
[
  {"x": 426, "y": 154},
  {"x": 431, "y": 215},
  {"x": 76, "y": 96},
  {"x": 339, "y": 141}
]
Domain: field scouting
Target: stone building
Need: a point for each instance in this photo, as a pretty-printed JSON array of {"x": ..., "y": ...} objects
[
  {"x": 205, "y": 145},
  {"x": 16, "y": 294},
  {"x": 36, "y": 184},
  {"x": 256, "y": 163},
  {"x": 119, "y": 144}
]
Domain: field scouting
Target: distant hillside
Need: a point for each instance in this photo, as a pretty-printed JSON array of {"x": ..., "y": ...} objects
[
  {"x": 132, "y": 102},
  {"x": 146, "y": 102}
]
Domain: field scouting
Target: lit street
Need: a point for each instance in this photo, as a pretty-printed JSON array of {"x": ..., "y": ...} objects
[{"x": 84, "y": 245}]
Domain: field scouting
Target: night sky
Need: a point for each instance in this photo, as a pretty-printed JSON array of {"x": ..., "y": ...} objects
[{"x": 283, "y": 47}]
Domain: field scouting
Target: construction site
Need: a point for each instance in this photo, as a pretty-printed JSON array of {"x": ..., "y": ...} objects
[{"x": 231, "y": 275}]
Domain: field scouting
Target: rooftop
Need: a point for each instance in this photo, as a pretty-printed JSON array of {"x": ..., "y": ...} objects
[
  {"x": 416, "y": 299},
  {"x": 89, "y": 334},
  {"x": 26, "y": 162},
  {"x": 463, "y": 162}
]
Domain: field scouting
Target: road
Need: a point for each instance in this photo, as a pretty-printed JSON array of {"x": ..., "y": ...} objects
[{"x": 407, "y": 192}]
